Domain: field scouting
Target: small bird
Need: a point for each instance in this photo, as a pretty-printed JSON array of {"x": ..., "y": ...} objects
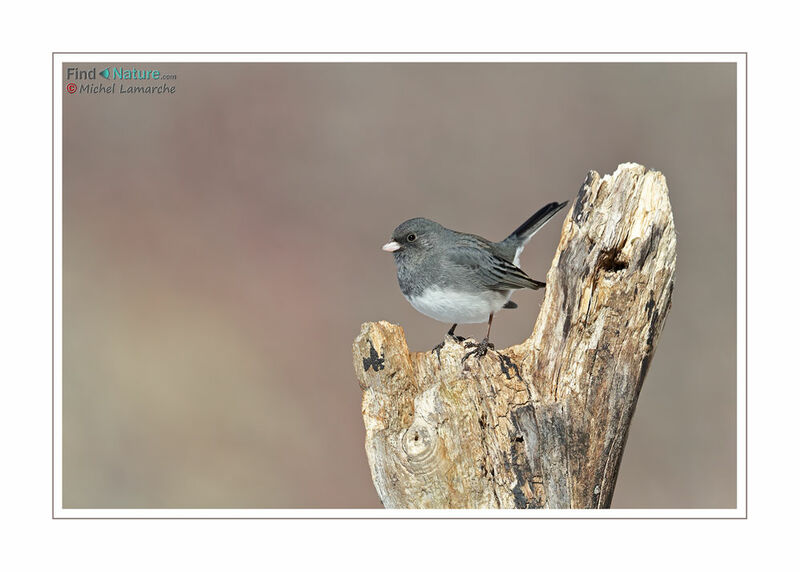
[{"x": 462, "y": 278}]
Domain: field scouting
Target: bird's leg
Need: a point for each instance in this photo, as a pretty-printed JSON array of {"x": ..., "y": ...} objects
[
  {"x": 438, "y": 347},
  {"x": 452, "y": 333},
  {"x": 481, "y": 347}
]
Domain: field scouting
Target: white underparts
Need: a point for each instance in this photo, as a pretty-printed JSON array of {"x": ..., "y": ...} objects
[{"x": 457, "y": 307}]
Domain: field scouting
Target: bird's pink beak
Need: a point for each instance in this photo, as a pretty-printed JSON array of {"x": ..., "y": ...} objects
[{"x": 391, "y": 246}]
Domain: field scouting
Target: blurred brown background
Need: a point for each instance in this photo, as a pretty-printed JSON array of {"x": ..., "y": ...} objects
[{"x": 222, "y": 247}]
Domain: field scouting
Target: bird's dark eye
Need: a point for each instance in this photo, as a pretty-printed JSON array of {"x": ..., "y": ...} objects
[{"x": 411, "y": 237}]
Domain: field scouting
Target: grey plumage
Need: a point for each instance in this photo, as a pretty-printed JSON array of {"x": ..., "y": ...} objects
[{"x": 442, "y": 257}]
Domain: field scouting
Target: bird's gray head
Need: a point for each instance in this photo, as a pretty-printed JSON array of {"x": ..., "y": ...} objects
[{"x": 413, "y": 237}]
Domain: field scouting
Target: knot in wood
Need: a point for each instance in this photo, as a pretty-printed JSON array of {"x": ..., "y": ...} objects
[{"x": 421, "y": 444}]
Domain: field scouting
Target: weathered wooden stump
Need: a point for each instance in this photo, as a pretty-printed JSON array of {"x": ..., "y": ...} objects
[{"x": 542, "y": 424}]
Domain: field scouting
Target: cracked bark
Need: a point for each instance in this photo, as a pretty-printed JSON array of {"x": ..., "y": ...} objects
[{"x": 542, "y": 424}]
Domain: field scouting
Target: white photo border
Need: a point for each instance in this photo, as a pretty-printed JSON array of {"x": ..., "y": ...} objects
[{"x": 738, "y": 58}]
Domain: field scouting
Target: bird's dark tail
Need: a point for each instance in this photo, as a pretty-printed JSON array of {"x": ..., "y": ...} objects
[{"x": 528, "y": 228}]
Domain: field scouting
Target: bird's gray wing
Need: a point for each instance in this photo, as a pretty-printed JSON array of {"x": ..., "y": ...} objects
[{"x": 478, "y": 257}]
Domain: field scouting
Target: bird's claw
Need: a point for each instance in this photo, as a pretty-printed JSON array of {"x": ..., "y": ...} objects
[
  {"x": 438, "y": 349},
  {"x": 481, "y": 349}
]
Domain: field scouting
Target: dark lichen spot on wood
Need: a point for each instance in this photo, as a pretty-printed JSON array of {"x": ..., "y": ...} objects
[
  {"x": 374, "y": 361},
  {"x": 506, "y": 365}
]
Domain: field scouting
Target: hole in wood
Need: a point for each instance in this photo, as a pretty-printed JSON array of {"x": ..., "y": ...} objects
[{"x": 611, "y": 261}]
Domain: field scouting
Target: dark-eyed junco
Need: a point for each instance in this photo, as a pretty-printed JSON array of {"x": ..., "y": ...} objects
[{"x": 462, "y": 278}]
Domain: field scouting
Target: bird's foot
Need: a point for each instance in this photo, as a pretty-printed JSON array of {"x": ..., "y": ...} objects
[
  {"x": 438, "y": 347},
  {"x": 481, "y": 349}
]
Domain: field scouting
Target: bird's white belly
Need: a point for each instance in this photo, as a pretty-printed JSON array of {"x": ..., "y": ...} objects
[{"x": 458, "y": 307}]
